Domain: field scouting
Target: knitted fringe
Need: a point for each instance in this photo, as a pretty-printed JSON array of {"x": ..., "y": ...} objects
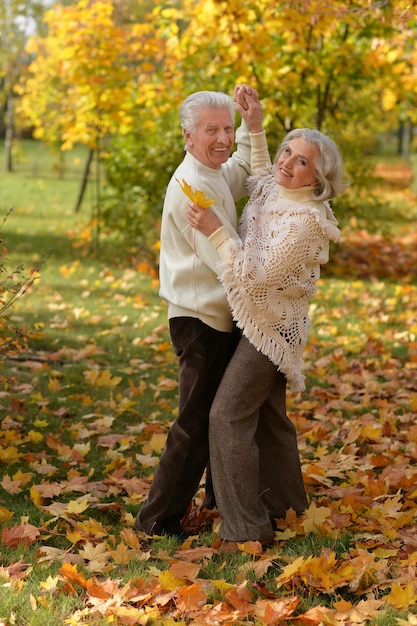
[{"x": 277, "y": 350}]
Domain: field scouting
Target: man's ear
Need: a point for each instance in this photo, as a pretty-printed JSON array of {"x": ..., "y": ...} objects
[{"x": 187, "y": 136}]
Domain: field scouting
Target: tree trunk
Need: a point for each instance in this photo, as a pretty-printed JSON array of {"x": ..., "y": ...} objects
[
  {"x": 405, "y": 134},
  {"x": 84, "y": 180},
  {"x": 8, "y": 141}
]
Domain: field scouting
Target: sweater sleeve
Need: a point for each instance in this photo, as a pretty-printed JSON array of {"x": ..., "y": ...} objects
[
  {"x": 222, "y": 240},
  {"x": 238, "y": 167},
  {"x": 260, "y": 158}
]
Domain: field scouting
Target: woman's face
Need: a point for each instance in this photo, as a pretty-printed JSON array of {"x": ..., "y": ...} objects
[{"x": 296, "y": 165}]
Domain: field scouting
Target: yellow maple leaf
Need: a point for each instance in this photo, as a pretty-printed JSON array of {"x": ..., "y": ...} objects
[
  {"x": 102, "y": 379},
  {"x": 198, "y": 197},
  {"x": 5, "y": 514},
  {"x": 169, "y": 581},
  {"x": 413, "y": 402},
  {"x": 83, "y": 448},
  {"x": 293, "y": 569},
  {"x": 36, "y": 497},
  {"x": 222, "y": 584},
  {"x": 401, "y": 597},
  {"x": 50, "y": 584},
  {"x": 9, "y": 455},
  {"x": 155, "y": 444},
  {"x": 315, "y": 518},
  {"x": 77, "y": 506}
]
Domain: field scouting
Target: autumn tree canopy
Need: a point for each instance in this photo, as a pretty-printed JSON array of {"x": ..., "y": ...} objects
[
  {"x": 106, "y": 70},
  {"x": 321, "y": 63}
]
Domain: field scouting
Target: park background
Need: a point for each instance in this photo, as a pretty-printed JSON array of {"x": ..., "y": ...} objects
[{"x": 90, "y": 93}]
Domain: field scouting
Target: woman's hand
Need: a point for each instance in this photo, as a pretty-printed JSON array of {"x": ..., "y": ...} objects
[
  {"x": 203, "y": 220},
  {"x": 247, "y": 103}
]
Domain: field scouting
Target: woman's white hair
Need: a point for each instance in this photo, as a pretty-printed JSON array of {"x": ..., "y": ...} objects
[{"x": 329, "y": 165}]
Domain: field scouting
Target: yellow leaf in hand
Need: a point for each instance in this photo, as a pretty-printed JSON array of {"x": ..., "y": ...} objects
[{"x": 198, "y": 197}]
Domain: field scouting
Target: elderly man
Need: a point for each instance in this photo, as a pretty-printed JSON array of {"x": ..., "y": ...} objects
[{"x": 200, "y": 321}]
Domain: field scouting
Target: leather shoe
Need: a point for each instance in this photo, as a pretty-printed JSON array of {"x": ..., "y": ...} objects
[{"x": 226, "y": 547}]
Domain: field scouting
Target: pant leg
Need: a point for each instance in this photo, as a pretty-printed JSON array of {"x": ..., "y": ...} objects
[
  {"x": 253, "y": 448},
  {"x": 280, "y": 478},
  {"x": 203, "y": 355},
  {"x": 234, "y": 453}
]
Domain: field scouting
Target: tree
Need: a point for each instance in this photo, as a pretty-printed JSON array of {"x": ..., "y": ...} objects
[
  {"x": 17, "y": 19},
  {"x": 87, "y": 72},
  {"x": 314, "y": 62},
  {"x": 105, "y": 71}
]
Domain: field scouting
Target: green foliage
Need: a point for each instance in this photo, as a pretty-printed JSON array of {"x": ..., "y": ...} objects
[{"x": 138, "y": 168}]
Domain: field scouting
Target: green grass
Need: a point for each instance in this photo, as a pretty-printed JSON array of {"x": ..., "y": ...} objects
[{"x": 92, "y": 397}]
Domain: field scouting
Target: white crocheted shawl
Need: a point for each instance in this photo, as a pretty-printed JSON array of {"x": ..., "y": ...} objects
[{"x": 283, "y": 239}]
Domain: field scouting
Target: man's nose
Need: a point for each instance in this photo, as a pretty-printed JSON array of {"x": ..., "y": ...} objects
[{"x": 223, "y": 136}]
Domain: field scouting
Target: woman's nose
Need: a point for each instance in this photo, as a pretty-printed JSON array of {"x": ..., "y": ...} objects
[{"x": 289, "y": 159}]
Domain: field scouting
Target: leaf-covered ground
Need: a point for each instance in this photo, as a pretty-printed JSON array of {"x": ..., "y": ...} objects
[{"x": 84, "y": 415}]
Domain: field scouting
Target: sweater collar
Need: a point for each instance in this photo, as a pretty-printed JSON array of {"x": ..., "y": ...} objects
[
  {"x": 208, "y": 171},
  {"x": 302, "y": 194}
]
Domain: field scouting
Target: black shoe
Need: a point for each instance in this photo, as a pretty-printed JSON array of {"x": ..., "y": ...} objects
[
  {"x": 180, "y": 536},
  {"x": 159, "y": 531}
]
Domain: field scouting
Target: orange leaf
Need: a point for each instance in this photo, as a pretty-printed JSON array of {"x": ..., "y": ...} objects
[
  {"x": 191, "y": 597},
  {"x": 25, "y": 535},
  {"x": 184, "y": 569},
  {"x": 71, "y": 574},
  {"x": 198, "y": 197}
]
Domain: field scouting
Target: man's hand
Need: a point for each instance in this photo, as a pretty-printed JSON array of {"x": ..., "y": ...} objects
[
  {"x": 247, "y": 103},
  {"x": 203, "y": 220}
]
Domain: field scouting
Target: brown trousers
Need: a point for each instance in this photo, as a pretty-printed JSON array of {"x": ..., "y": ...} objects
[
  {"x": 254, "y": 455},
  {"x": 203, "y": 354}
]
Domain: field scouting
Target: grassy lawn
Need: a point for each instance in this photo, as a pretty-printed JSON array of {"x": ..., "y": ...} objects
[{"x": 85, "y": 409}]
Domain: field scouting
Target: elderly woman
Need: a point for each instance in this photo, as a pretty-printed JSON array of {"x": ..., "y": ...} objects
[{"x": 269, "y": 271}]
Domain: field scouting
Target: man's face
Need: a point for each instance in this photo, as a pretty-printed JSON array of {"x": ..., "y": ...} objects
[{"x": 213, "y": 139}]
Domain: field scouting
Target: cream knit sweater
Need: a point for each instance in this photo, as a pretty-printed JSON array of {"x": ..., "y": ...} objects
[
  {"x": 271, "y": 270},
  {"x": 188, "y": 263}
]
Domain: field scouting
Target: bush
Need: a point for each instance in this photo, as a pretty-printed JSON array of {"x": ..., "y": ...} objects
[{"x": 13, "y": 285}]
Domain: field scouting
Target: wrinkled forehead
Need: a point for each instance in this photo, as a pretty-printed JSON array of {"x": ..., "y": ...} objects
[
  {"x": 210, "y": 116},
  {"x": 302, "y": 148}
]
